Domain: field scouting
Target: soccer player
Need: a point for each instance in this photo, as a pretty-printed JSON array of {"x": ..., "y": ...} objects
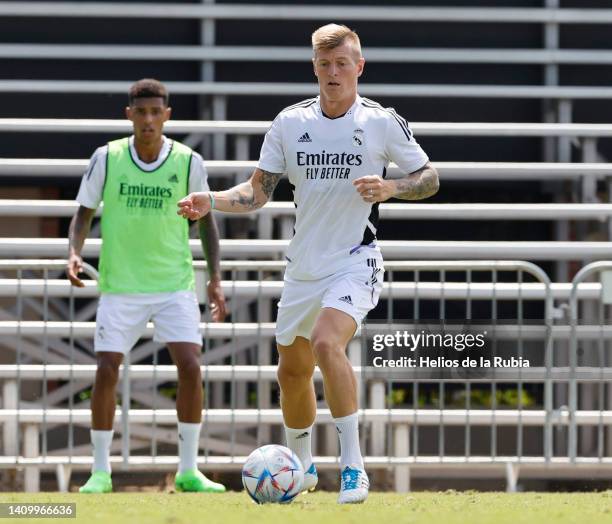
[
  {"x": 146, "y": 272},
  {"x": 335, "y": 149}
]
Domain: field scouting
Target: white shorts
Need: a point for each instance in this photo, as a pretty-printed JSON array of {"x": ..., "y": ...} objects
[
  {"x": 122, "y": 318},
  {"x": 355, "y": 291}
]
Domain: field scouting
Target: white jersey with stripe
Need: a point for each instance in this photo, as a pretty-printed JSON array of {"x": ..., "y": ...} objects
[{"x": 322, "y": 157}]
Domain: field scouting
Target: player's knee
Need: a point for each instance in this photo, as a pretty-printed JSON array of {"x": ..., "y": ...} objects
[
  {"x": 291, "y": 377},
  {"x": 108, "y": 370},
  {"x": 325, "y": 351},
  {"x": 189, "y": 370}
]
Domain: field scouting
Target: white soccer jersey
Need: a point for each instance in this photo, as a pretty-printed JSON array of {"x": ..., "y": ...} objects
[
  {"x": 92, "y": 183},
  {"x": 322, "y": 156}
]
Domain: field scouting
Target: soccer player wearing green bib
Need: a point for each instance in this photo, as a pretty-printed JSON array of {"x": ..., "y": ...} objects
[{"x": 146, "y": 272}]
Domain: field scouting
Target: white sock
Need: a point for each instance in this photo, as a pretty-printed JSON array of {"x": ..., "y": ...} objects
[
  {"x": 189, "y": 440},
  {"x": 101, "y": 441},
  {"x": 298, "y": 441},
  {"x": 348, "y": 432}
]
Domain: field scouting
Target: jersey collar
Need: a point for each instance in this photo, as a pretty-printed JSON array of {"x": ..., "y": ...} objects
[
  {"x": 161, "y": 158},
  {"x": 349, "y": 112}
]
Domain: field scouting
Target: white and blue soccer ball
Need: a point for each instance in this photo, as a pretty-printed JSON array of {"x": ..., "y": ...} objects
[{"x": 272, "y": 473}]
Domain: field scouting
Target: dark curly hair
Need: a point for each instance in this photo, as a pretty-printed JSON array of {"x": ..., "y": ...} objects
[{"x": 148, "y": 88}]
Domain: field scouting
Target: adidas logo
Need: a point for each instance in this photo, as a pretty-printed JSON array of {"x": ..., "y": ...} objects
[
  {"x": 173, "y": 179},
  {"x": 305, "y": 138},
  {"x": 303, "y": 435},
  {"x": 347, "y": 299}
]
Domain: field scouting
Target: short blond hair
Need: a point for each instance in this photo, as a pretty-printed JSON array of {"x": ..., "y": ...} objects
[{"x": 331, "y": 36}]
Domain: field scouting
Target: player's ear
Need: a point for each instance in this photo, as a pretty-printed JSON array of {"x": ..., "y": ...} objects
[
  {"x": 360, "y": 65},
  {"x": 128, "y": 112},
  {"x": 314, "y": 66},
  {"x": 167, "y": 114}
]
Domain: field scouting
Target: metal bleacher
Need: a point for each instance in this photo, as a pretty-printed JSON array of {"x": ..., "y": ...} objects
[
  {"x": 550, "y": 17},
  {"x": 559, "y": 421}
]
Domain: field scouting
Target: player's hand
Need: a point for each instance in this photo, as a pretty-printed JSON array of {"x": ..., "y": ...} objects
[
  {"x": 373, "y": 188},
  {"x": 73, "y": 268},
  {"x": 194, "y": 206},
  {"x": 216, "y": 301}
]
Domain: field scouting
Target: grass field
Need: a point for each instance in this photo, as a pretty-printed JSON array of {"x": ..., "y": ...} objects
[{"x": 381, "y": 508}]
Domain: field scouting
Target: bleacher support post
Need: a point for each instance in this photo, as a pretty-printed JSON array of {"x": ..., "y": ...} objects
[
  {"x": 207, "y": 74},
  {"x": 401, "y": 448},
  {"x": 63, "y": 473},
  {"x": 9, "y": 428},
  {"x": 219, "y": 112},
  {"x": 125, "y": 412},
  {"x": 512, "y": 473},
  {"x": 551, "y": 78},
  {"x": 31, "y": 449},
  {"x": 377, "y": 435}
]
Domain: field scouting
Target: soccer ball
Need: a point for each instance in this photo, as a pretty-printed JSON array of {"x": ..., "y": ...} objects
[{"x": 272, "y": 473}]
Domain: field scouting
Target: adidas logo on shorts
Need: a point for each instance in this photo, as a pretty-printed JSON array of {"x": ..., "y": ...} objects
[
  {"x": 347, "y": 299},
  {"x": 305, "y": 138}
]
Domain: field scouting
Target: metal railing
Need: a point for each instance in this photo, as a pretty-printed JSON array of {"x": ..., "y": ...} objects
[
  {"x": 550, "y": 17},
  {"x": 223, "y": 89},
  {"x": 393, "y": 427},
  {"x": 240, "y": 128},
  {"x": 260, "y": 54},
  {"x": 394, "y": 211},
  {"x": 585, "y": 135},
  {"x": 597, "y": 353},
  {"x": 391, "y": 249},
  {"x": 510, "y": 171},
  {"x": 441, "y": 14}
]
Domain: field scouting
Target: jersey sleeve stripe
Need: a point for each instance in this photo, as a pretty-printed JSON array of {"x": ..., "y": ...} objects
[
  {"x": 105, "y": 171},
  {"x": 304, "y": 103},
  {"x": 400, "y": 120},
  {"x": 407, "y": 133},
  {"x": 91, "y": 167}
]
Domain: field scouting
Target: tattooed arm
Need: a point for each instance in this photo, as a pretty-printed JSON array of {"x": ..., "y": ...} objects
[
  {"x": 421, "y": 184},
  {"x": 243, "y": 198}
]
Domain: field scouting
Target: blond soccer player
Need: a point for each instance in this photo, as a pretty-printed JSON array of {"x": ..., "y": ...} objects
[{"x": 335, "y": 149}]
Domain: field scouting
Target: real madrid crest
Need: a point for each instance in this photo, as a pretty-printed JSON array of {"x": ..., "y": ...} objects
[{"x": 358, "y": 138}]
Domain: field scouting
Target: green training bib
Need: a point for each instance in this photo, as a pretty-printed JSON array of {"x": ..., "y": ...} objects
[{"x": 145, "y": 244}]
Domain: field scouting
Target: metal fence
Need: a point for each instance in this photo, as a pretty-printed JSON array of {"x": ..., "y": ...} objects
[
  {"x": 595, "y": 393},
  {"x": 504, "y": 423}
]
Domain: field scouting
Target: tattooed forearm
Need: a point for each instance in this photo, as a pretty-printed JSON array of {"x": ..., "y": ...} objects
[
  {"x": 269, "y": 181},
  {"x": 238, "y": 199},
  {"x": 243, "y": 196},
  {"x": 248, "y": 196},
  {"x": 261, "y": 182},
  {"x": 418, "y": 185}
]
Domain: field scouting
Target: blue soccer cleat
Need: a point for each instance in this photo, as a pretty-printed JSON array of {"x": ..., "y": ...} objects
[
  {"x": 310, "y": 478},
  {"x": 354, "y": 485}
]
